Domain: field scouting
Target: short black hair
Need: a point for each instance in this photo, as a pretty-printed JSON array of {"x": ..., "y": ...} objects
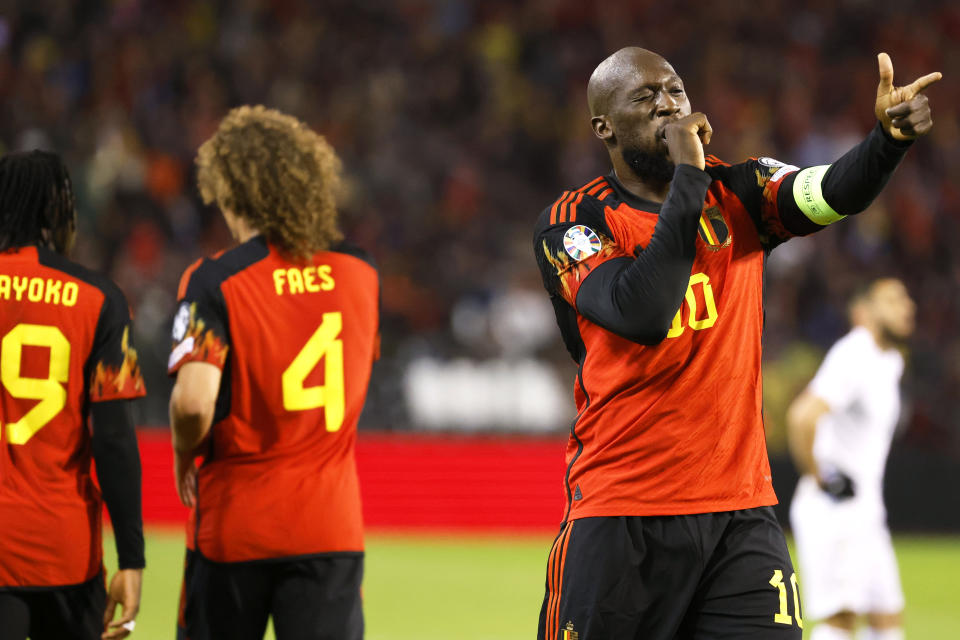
[{"x": 36, "y": 201}]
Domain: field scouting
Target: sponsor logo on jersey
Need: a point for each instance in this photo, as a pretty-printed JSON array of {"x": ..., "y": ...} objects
[
  {"x": 581, "y": 242},
  {"x": 713, "y": 229}
]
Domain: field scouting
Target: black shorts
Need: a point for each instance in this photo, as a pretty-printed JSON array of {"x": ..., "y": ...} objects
[
  {"x": 56, "y": 613},
  {"x": 709, "y": 576},
  {"x": 310, "y": 598}
]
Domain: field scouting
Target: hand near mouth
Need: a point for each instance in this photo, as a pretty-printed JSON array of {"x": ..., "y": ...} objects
[{"x": 685, "y": 138}]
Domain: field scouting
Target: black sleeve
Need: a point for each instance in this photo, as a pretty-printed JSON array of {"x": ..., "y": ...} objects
[
  {"x": 200, "y": 326},
  {"x": 851, "y": 183},
  {"x": 112, "y": 368},
  {"x": 636, "y": 298},
  {"x": 117, "y": 458}
]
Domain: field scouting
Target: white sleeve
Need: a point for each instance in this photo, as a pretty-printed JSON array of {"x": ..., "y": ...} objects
[{"x": 838, "y": 380}]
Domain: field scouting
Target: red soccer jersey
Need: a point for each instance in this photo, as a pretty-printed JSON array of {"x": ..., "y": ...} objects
[
  {"x": 296, "y": 343},
  {"x": 64, "y": 342},
  {"x": 673, "y": 428}
]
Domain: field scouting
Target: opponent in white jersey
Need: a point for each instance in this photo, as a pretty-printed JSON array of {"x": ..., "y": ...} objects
[{"x": 840, "y": 431}]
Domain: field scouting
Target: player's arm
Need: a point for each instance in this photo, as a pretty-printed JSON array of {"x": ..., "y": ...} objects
[
  {"x": 117, "y": 459},
  {"x": 802, "y": 417},
  {"x": 835, "y": 388},
  {"x": 796, "y": 202},
  {"x": 637, "y": 297},
  {"x": 192, "y": 405},
  {"x": 197, "y": 358},
  {"x": 824, "y": 194},
  {"x": 115, "y": 380}
]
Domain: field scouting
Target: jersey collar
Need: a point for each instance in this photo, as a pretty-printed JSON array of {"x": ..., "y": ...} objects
[{"x": 633, "y": 201}]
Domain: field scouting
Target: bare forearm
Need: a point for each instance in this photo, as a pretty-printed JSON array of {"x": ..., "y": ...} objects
[
  {"x": 193, "y": 404},
  {"x": 802, "y": 419},
  {"x": 800, "y": 440},
  {"x": 188, "y": 431},
  {"x": 189, "y": 422}
]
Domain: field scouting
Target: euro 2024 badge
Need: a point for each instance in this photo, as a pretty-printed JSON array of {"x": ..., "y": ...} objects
[{"x": 581, "y": 242}]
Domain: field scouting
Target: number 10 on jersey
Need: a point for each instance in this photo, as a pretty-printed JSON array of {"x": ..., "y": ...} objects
[
  {"x": 325, "y": 345},
  {"x": 695, "y": 323}
]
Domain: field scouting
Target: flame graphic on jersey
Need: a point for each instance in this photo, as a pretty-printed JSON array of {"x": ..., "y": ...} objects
[
  {"x": 568, "y": 268},
  {"x": 208, "y": 347},
  {"x": 110, "y": 382}
]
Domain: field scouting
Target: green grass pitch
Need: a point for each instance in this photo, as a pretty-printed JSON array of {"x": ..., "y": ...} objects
[{"x": 433, "y": 587}]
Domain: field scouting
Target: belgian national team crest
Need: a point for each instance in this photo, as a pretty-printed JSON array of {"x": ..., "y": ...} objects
[
  {"x": 568, "y": 633},
  {"x": 713, "y": 229},
  {"x": 581, "y": 242}
]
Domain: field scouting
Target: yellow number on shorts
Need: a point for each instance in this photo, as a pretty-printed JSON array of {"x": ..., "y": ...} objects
[
  {"x": 49, "y": 391},
  {"x": 782, "y": 617},
  {"x": 676, "y": 328},
  {"x": 325, "y": 345},
  {"x": 796, "y": 599}
]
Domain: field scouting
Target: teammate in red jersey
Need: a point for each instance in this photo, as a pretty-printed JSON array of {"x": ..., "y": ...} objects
[
  {"x": 656, "y": 272},
  {"x": 273, "y": 346},
  {"x": 66, "y": 355}
]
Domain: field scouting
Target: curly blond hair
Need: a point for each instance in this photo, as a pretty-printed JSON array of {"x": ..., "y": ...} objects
[{"x": 278, "y": 174}]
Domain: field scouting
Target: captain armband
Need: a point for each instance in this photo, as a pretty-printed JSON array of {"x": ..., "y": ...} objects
[{"x": 808, "y": 195}]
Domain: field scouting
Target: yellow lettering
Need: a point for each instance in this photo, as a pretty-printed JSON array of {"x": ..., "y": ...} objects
[
  {"x": 19, "y": 286},
  {"x": 325, "y": 344},
  {"x": 310, "y": 279},
  {"x": 70, "y": 294},
  {"x": 702, "y": 323},
  {"x": 796, "y": 599},
  {"x": 52, "y": 295},
  {"x": 5, "y": 286},
  {"x": 35, "y": 290},
  {"x": 782, "y": 616},
  {"x": 326, "y": 279},
  {"x": 278, "y": 280},
  {"x": 48, "y": 390},
  {"x": 676, "y": 327},
  {"x": 294, "y": 280},
  {"x": 695, "y": 323}
]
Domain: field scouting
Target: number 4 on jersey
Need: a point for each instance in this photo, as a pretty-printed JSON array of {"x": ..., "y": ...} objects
[{"x": 324, "y": 345}]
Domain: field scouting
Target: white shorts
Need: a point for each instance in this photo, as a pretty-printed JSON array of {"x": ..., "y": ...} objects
[{"x": 845, "y": 554}]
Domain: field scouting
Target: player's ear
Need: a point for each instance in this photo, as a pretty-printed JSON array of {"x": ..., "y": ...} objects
[{"x": 601, "y": 128}]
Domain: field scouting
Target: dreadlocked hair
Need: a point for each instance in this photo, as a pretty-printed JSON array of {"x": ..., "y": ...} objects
[
  {"x": 36, "y": 202},
  {"x": 278, "y": 174}
]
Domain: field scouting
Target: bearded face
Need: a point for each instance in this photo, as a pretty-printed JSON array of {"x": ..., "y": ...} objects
[{"x": 649, "y": 166}]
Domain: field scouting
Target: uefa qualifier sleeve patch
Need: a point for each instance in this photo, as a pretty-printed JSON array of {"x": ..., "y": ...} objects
[{"x": 581, "y": 242}]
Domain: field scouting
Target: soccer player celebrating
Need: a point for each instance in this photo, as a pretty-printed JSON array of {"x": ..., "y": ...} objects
[
  {"x": 66, "y": 356},
  {"x": 840, "y": 430},
  {"x": 655, "y": 271},
  {"x": 274, "y": 341}
]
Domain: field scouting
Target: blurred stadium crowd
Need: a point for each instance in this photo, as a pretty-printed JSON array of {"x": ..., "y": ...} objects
[{"x": 457, "y": 121}]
